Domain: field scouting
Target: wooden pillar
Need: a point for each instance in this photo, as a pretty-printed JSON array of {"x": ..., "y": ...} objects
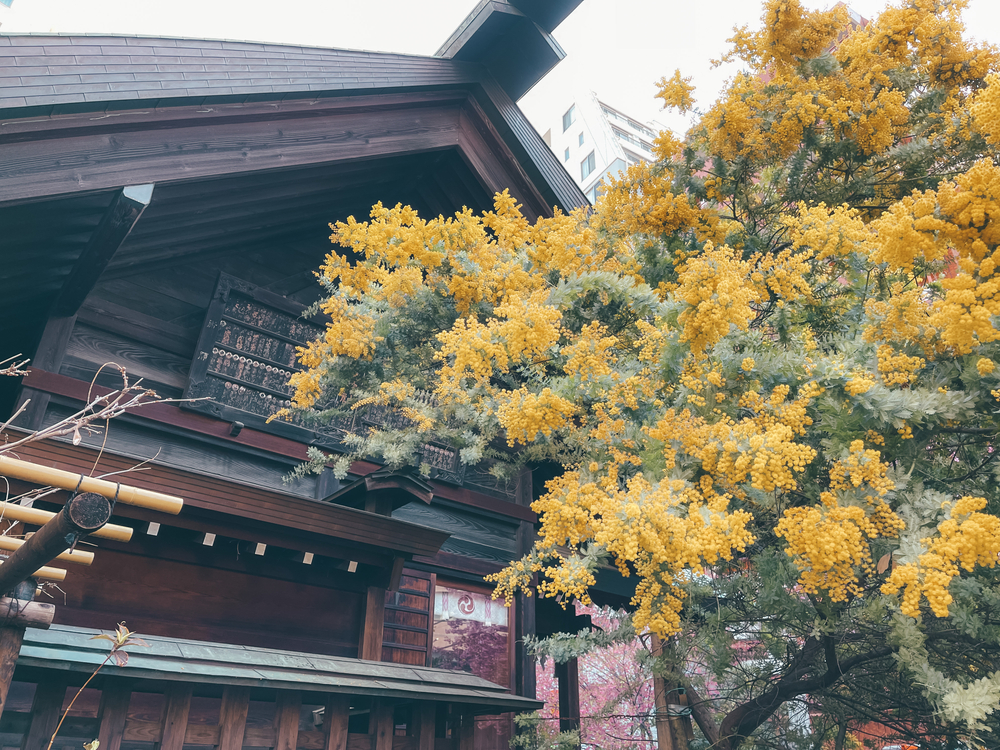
[
  {"x": 175, "y": 717},
  {"x": 568, "y": 675},
  {"x": 380, "y": 724},
  {"x": 286, "y": 720},
  {"x": 424, "y": 719},
  {"x": 10, "y": 647},
  {"x": 48, "y": 356},
  {"x": 524, "y": 621},
  {"x": 115, "y": 697},
  {"x": 672, "y": 732},
  {"x": 46, "y": 709},
  {"x": 233, "y": 717},
  {"x": 371, "y": 631},
  {"x": 467, "y": 733},
  {"x": 335, "y": 718}
]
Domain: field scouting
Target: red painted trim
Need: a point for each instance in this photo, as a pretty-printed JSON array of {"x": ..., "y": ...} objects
[{"x": 173, "y": 415}]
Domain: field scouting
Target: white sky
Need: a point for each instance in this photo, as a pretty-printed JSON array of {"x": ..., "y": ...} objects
[{"x": 617, "y": 48}]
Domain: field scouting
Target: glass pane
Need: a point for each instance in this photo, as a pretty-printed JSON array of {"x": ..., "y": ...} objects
[{"x": 471, "y": 634}]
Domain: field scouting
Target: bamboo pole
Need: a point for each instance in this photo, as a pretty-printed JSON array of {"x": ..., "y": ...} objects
[
  {"x": 39, "y": 517},
  {"x": 46, "y": 572},
  {"x": 67, "y": 480},
  {"x": 80, "y": 557}
]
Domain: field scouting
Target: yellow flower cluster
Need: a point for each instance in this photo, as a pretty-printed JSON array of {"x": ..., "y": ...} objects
[
  {"x": 985, "y": 110},
  {"x": 659, "y": 530},
  {"x": 676, "y": 92},
  {"x": 861, "y": 382},
  {"x": 524, "y": 414},
  {"x": 828, "y": 546},
  {"x": 965, "y": 539},
  {"x": 898, "y": 369},
  {"x": 829, "y": 232},
  {"x": 862, "y": 467},
  {"x": 985, "y": 366},
  {"x": 591, "y": 355},
  {"x": 714, "y": 286}
]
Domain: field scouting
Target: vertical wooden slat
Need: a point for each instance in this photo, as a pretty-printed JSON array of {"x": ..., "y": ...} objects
[
  {"x": 424, "y": 716},
  {"x": 371, "y": 634},
  {"x": 115, "y": 698},
  {"x": 335, "y": 718},
  {"x": 430, "y": 620},
  {"x": 175, "y": 717},
  {"x": 286, "y": 720},
  {"x": 45, "y": 711},
  {"x": 568, "y": 675},
  {"x": 233, "y": 717},
  {"x": 467, "y": 733},
  {"x": 10, "y": 647},
  {"x": 382, "y": 726}
]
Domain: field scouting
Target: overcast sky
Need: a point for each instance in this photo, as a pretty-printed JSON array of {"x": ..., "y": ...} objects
[{"x": 617, "y": 48}]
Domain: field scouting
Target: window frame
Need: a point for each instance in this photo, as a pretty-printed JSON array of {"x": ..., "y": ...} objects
[
  {"x": 569, "y": 117},
  {"x": 591, "y": 161}
]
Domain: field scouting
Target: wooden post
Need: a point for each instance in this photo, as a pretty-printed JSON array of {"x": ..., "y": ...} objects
[
  {"x": 672, "y": 732},
  {"x": 467, "y": 733},
  {"x": 115, "y": 697},
  {"x": 82, "y": 515},
  {"x": 524, "y": 618},
  {"x": 424, "y": 716},
  {"x": 45, "y": 711},
  {"x": 568, "y": 675},
  {"x": 10, "y": 647},
  {"x": 233, "y": 717},
  {"x": 371, "y": 632},
  {"x": 286, "y": 720},
  {"x": 381, "y": 724},
  {"x": 335, "y": 718},
  {"x": 175, "y": 717}
]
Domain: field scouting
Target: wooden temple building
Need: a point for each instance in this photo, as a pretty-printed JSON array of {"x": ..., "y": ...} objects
[{"x": 163, "y": 205}]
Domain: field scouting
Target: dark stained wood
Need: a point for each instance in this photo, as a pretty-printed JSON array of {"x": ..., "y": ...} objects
[
  {"x": 90, "y": 348},
  {"x": 48, "y": 356},
  {"x": 213, "y": 494},
  {"x": 335, "y": 717},
  {"x": 233, "y": 717},
  {"x": 171, "y": 415},
  {"x": 115, "y": 698},
  {"x": 286, "y": 720},
  {"x": 467, "y": 733},
  {"x": 10, "y": 646},
  {"x": 370, "y": 646},
  {"x": 381, "y": 718},
  {"x": 45, "y": 712},
  {"x": 424, "y": 718},
  {"x": 124, "y": 211},
  {"x": 568, "y": 675},
  {"x": 396, "y": 573},
  {"x": 524, "y": 621},
  {"x": 33, "y": 168},
  {"x": 114, "y": 318},
  {"x": 175, "y": 717}
]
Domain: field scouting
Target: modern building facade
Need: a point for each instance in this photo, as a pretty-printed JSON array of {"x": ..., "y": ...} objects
[{"x": 593, "y": 139}]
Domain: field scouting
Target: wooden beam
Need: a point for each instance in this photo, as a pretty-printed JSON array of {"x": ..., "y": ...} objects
[
  {"x": 82, "y": 515},
  {"x": 396, "y": 573},
  {"x": 371, "y": 633},
  {"x": 425, "y": 716},
  {"x": 48, "y": 356},
  {"x": 45, "y": 711},
  {"x": 286, "y": 720},
  {"x": 115, "y": 698},
  {"x": 335, "y": 718},
  {"x": 233, "y": 717},
  {"x": 119, "y": 218},
  {"x": 17, "y": 613},
  {"x": 10, "y": 647},
  {"x": 175, "y": 716},
  {"x": 568, "y": 675}
]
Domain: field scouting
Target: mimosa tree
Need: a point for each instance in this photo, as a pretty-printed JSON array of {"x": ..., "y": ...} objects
[{"x": 766, "y": 365}]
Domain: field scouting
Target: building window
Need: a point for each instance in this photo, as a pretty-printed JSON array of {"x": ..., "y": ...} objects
[
  {"x": 471, "y": 634},
  {"x": 592, "y": 193},
  {"x": 587, "y": 166},
  {"x": 566, "y": 154},
  {"x": 569, "y": 118},
  {"x": 581, "y": 139}
]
